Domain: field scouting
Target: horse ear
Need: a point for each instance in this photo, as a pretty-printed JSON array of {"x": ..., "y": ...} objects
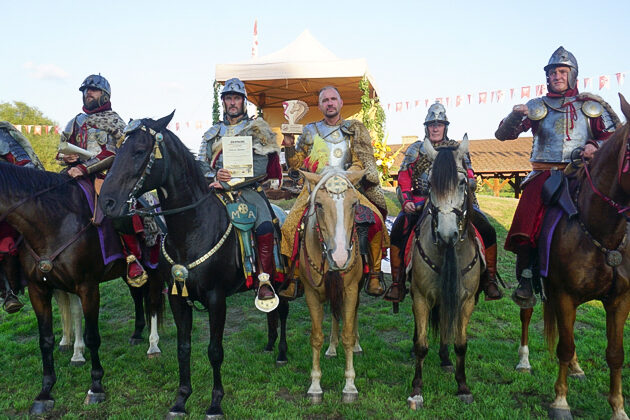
[
  {"x": 163, "y": 122},
  {"x": 355, "y": 176},
  {"x": 311, "y": 177},
  {"x": 462, "y": 149},
  {"x": 429, "y": 149},
  {"x": 625, "y": 107}
]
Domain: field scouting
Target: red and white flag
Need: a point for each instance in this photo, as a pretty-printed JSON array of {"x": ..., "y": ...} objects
[
  {"x": 398, "y": 106},
  {"x": 417, "y": 103},
  {"x": 37, "y": 129},
  {"x": 483, "y": 96},
  {"x": 448, "y": 99},
  {"x": 28, "y": 128},
  {"x": 255, "y": 40},
  {"x": 525, "y": 91},
  {"x": 500, "y": 95},
  {"x": 587, "y": 82},
  {"x": 18, "y": 127},
  {"x": 620, "y": 78},
  {"x": 56, "y": 129},
  {"x": 458, "y": 101},
  {"x": 48, "y": 127},
  {"x": 469, "y": 98},
  {"x": 511, "y": 93},
  {"x": 604, "y": 82},
  {"x": 426, "y": 103}
]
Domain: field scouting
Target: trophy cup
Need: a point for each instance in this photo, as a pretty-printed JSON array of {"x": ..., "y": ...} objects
[{"x": 294, "y": 111}]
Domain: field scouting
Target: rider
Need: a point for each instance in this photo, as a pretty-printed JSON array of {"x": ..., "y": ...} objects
[
  {"x": 560, "y": 122},
  {"x": 266, "y": 160},
  {"x": 413, "y": 190},
  {"x": 345, "y": 144},
  {"x": 15, "y": 149},
  {"x": 97, "y": 130}
]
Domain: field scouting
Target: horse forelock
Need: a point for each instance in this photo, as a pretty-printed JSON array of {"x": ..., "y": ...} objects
[
  {"x": 327, "y": 173},
  {"x": 444, "y": 170}
]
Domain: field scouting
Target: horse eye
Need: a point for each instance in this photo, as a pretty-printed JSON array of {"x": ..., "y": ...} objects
[{"x": 318, "y": 205}]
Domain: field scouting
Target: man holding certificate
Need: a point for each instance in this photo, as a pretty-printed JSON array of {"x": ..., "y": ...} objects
[{"x": 238, "y": 150}]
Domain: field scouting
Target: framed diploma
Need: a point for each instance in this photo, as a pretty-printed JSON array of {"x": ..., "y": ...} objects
[{"x": 238, "y": 156}]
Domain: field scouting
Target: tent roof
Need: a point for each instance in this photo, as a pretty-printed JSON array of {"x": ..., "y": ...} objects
[{"x": 298, "y": 71}]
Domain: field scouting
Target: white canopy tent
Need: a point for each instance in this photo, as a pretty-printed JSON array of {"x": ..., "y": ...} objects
[{"x": 299, "y": 71}]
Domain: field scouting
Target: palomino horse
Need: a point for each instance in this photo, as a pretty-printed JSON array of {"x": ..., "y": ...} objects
[
  {"x": 201, "y": 242},
  {"x": 51, "y": 212},
  {"x": 330, "y": 267},
  {"x": 446, "y": 265},
  {"x": 591, "y": 260}
]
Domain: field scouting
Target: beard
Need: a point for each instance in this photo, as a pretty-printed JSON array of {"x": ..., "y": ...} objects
[{"x": 90, "y": 103}]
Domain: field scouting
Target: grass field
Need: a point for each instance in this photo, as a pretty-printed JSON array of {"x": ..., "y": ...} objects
[{"x": 255, "y": 388}]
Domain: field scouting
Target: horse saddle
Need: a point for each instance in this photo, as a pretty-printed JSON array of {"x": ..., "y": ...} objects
[
  {"x": 555, "y": 192},
  {"x": 242, "y": 215}
]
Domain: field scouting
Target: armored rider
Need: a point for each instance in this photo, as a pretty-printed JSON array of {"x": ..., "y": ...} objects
[
  {"x": 413, "y": 190},
  {"x": 561, "y": 121},
  {"x": 17, "y": 150},
  {"x": 345, "y": 144},
  {"x": 266, "y": 161},
  {"x": 97, "y": 130}
]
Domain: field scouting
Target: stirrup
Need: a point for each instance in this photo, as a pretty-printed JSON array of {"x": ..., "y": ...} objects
[
  {"x": 11, "y": 306},
  {"x": 381, "y": 282},
  {"x": 529, "y": 302},
  {"x": 266, "y": 305},
  {"x": 139, "y": 280},
  {"x": 297, "y": 288},
  {"x": 403, "y": 292}
]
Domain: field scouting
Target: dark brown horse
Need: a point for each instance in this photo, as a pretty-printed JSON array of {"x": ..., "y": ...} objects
[
  {"x": 201, "y": 241},
  {"x": 52, "y": 214},
  {"x": 591, "y": 261}
]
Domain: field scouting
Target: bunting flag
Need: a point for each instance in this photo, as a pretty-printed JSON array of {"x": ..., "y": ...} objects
[
  {"x": 483, "y": 96},
  {"x": 438, "y": 100},
  {"x": 499, "y": 95},
  {"x": 525, "y": 90},
  {"x": 417, "y": 103},
  {"x": 620, "y": 78},
  {"x": 56, "y": 129},
  {"x": 28, "y": 129},
  {"x": 604, "y": 82},
  {"x": 37, "y": 130},
  {"x": 407, "y": 105},
  {"x": 426, "y": 103},
  {"x": 398, "y": 106},
  {"x": 587, "y": 82},
  {"x": 492, "y": 96},
  {"x": 18, "y": 127},
  {"x": 469, "y": 98},
  {"x": 255, "y": 40},
  {"x": 48, "y": 127},
  {"x": 447, "y": 100},
  {"x": 176, "y": 126},
  {"x": 511, "y": 93},
  {"x": 539, "y": 90},
  {"x": 198, "y": 125},
  {"x": 458, "y": 101}
]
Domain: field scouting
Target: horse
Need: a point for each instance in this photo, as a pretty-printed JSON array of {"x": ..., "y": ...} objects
[
  {"x": 61, "y": 250},
  {"x": 330, "y": 267},
  {"x": 590, "y": 260},
  {"x": 201, "y": 241},
  {"x": 446, "y": 266}
]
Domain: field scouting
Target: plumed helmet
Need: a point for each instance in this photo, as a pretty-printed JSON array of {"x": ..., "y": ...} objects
[
  {"x": 562, "y": 57},
  {"x": 234, "y": 85},
  {"x": 436, "y": 114},
  {"x": 96, "y": 81}
]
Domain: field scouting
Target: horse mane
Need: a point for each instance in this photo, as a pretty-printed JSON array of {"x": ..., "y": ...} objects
[
  {"x": 444, "y": 172},
  {"x": 18, "y": 181}
]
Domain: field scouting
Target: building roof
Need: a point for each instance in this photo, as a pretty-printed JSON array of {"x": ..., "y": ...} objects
[{"x": 489, "y": 156}]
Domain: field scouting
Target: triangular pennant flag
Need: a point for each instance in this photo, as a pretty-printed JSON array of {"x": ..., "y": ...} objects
[
  {"x": 28, "y": 129},
  {"x": 587, "y": 82},
  {"x": 426, "y": 103},
  {"x": 176, "y": 126},
  {"x": 438, "y": 100},
  {"x": 18, "y": 127},
  {"x": 198, "y": 124},
  {"x": 37, "y": 130},
  {"x": 539, "y": 89},
  {"x": 620, "y": 78},
  {"x": 407, "y": 105},
  {"x": 499, "y": 95},
  {"x": 447, "y": 100},
  {"x": 398, "y": 106},
  {"x": 604, "y": 82},
  {"x": 511, "y": 93},
  {"x": 458, "y": 101},
  {"x": 48, "y": 127},
  {"x": 417, "y": 103},
  {"x": 389, "y": 106},
  {"x": 469, "y": 98},
  {"x": 525, "y": 90},
  {"x": 491, "y": 96},
  {"x": 483, "y": 96},
  {"x": 56, "y": 129}
]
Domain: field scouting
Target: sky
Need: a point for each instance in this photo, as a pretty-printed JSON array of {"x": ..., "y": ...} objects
[{"x": 161, "y": 55}]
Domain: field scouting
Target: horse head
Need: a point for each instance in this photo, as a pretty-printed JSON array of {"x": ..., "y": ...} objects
[
  {"x": 141, "y": 165},
  {"x": 448, "y": 200},
  {"x": 333, "y": 200}
]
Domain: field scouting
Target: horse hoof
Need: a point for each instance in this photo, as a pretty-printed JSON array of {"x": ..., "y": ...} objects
[
  {"x": 65, "y": 347},
  {"x": 415, "y": 402},
  {"x": 524, "y": 370},
  {"x": 448, "y": 368},
  {"x": 315, "y": 397},
  {"x": 357, "y": 352},
  {"x": 466, "y": 398},
  {"x": 155, "y": 355},
  {"x": 174, "y": 415},
  {"x": 579, "y": 376},
  {"x": 349, "y": 397},
  {"x": 281, "y": 362},
  {"x": 560, "y": 414},
  {"x": 77, "y": 363},
  {"x": 330, "y": 355},
  {"x": 214, "y": 416},
  {"x": 524, "y": 303},
  {"x": 41, "y": 407},
  {"x": 135, "y": 341},
  {"x": 94, "y": 398}
]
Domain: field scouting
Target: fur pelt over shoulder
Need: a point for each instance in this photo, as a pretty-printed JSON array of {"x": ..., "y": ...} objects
[{"x": 266, "y": 139}]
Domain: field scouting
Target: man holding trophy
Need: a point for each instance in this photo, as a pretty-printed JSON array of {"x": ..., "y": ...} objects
[
  {"x": 345, "y": 144},
  {"x": 88, "y": 147},
  {"x": 239, "y": 153}
]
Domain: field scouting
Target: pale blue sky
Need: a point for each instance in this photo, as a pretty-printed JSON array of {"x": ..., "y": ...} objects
[{"x": 161, "y": 55}]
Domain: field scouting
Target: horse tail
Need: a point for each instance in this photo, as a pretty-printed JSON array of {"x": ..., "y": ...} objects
[
  {"x": 551, "y": 326},
  {"x": 434, "y": 321},
  {"x": 450, "y": 280},
  {"x": 334, "y": 292}
]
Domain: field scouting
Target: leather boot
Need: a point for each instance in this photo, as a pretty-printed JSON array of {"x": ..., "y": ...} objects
[
  {"x": 11, "y": 303},
  {"x": 294, "y": 289},
  {"x": 396, "y": 292},
  {"x": 375, "y": 287},
  {"x": 264, "y": 245},
  {"x": 489, "y": 282},
  {"x": 523, "y": 296},
  {"x": 136, "y": 276}
]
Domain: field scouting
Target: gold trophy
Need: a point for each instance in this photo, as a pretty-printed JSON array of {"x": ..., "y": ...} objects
[{"x": 294, "y": 111}]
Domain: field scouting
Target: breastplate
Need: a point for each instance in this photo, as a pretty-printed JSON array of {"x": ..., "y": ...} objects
[
  {"x": 339, "y": 155},
  {"x": 557, "y": 134}
]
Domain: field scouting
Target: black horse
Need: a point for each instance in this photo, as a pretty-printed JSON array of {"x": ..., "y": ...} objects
[
  {"x": 51, "y": 212},
  {"x": 199, "y": 228}
]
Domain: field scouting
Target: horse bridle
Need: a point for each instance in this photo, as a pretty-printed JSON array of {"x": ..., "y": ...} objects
[{"x": 460, "y": 214}]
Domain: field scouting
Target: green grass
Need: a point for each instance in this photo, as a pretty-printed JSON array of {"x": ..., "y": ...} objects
[{"x": 255, "y": 388}]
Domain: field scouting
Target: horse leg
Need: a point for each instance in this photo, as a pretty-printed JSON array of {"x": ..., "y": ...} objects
[
  {"x": 460, "y": 347},
  {"x": 272, "y": 330},
  {"x": 523, "y": 350},
  {"x": 349, "y": 340},
  {"x": 76, "y": 314},
  {"x": 575, "y": 371},
  {"x": 61, "y": 298},
  {"x": 154, "y": 302},
  {"x": 357, "y": 347},
  {"x": 137, "y": 296},
  {"x": 445, "y": 360},
  {"x": 90, "y": 301},
  {"x": 41, "y": 302},
  {"x": 283, "y": 311},
  {"x": 421, "y": 348},
  {"x": 182, "y": 315},
  {"x": 616, "y": 317},
  {"x": 154, "y": 339},
  {"x": 565, "y": 315},
  {"x": 333, "y": 342},
  {"x": 316, "y": 310},
  {"x": 216, "y": 311}
]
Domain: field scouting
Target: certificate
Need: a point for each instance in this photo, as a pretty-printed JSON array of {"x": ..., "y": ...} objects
[{"x": 238, "y": 155}]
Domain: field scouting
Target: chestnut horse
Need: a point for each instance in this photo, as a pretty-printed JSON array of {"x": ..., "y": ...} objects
[
  {"x": 446, "y": 266},
  {"x": 590, "y": 260}
]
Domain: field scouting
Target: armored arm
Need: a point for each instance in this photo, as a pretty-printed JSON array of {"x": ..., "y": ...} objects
[
  {"x": 510, "y": 127},
  {"x": 295, "y": 155}
]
